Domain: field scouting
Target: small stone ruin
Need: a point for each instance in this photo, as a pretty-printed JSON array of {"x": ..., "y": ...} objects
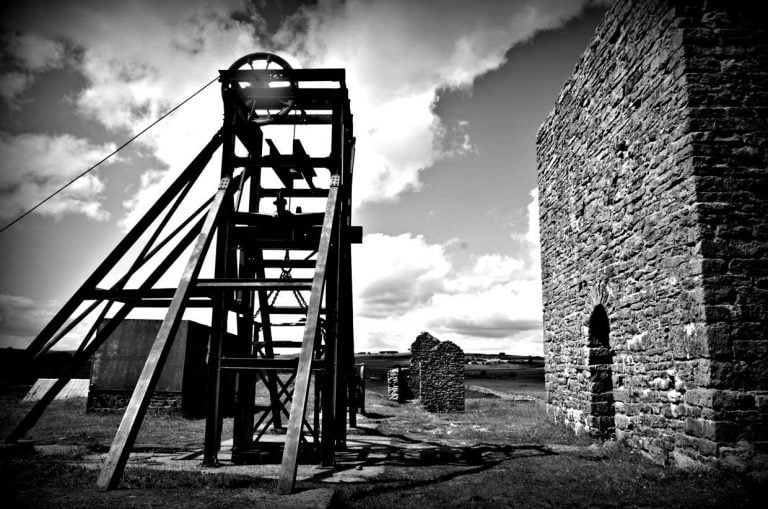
[
  {"x": 424, "y": 343},
  {"x": 442, "y": 378},
  {"x": 397, "y": 385},
  {"x": 435, "y": 376}
]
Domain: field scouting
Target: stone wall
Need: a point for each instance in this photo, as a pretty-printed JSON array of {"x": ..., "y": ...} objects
[
  {"x": 654, "y": 233},
  {"x": 727, "y": 84},
  {"x": 161, "y": 402},
  {"x": 423, "y": 343},
  {"x": 397, "y": 385},
  {"x": 442, "y": 378}
]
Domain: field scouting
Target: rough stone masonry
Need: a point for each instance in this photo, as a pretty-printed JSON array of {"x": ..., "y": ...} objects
[
  {"x": 442, "y": 378},
  {"x": 653, "y": 174},
  {"x": 397, "y": 385},
  {"x": 435, "y": 376},
  {"x": 423, "y": 343}
]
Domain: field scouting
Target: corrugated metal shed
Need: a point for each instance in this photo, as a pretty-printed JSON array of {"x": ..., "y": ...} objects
[{"x": 76, "y": 388}]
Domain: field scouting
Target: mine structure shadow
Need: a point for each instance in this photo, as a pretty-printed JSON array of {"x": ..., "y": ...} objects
[{"x": 406, "y": 452}]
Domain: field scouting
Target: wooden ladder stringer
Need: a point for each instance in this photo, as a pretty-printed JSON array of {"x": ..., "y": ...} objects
[
  {"x": 137, "y": 407},
  {"x": 289, "y": 462}
]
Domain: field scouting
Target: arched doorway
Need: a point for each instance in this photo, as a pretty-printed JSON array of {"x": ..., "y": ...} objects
[{"x": 599, "y": 364}]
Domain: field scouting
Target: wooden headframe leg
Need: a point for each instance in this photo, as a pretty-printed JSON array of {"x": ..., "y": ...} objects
[
  {"x": 137, "y": 407},
  {"x": 299, "y": 405}
]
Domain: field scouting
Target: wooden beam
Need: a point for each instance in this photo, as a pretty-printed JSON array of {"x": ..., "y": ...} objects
[
  {"x": 283, "y": 172},
  {"x": 305, "y": 165},
  {"x": 79, "y": 358},
  {"x": 294, "y": 193},
  {"x": 290, "y": 264},
  {"x": 265, "y": 363},
  {"x": 277, "y": 160},
  {"x": 190, "y": 173},
  {"x": 299, "y": 406},
  {"x": 118, "y": 454}
]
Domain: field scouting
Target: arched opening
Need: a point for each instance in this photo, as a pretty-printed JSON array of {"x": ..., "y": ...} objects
[
  {"x": 599, "y": 364},
  {"x": 599, "y": 328}
]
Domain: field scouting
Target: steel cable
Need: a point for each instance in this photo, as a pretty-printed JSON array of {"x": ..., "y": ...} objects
[{"x": 106, "y": 158}]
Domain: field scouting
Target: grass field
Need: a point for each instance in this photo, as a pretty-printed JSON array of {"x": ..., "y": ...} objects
[{"x": 498, "y": 453}]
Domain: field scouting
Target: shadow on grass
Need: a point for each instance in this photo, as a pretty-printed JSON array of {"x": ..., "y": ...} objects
[
  {"x": 375, "y": 415},
  {"x": 409, "y": 452}
]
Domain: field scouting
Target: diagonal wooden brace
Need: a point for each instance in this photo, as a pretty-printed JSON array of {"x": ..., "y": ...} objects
[
  {"x": 303, "y": 372},
  {"x": 137, "y": 407},
  {"x": 188, "y": 175}
]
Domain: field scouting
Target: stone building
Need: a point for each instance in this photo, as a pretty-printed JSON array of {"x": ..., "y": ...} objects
[
  {"x": 442, "y": 378},
  {"x": 423, "y": 343},
  {"x": 653, "y": 171}
]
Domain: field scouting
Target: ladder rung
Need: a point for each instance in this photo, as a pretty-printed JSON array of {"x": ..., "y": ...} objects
[
  {"x": 255, "y": 284},
  {"x": 293, "y": 193},
  {"x": 293, "y": 264},
  {"x": 281, "y": 344},
  {"x": 304, "y": 244},
  {"x": 300, "y": 323},
  {"x": 302, "y": 119},
  {"x": 255, "y": 363},
  {"x": 306, "y": 238},
  {"x": 283, "y": 161},
  {"x": 282, "y": 222},
  {"x": 164, "y": 303},
  {"x": 289, "y": 310}
]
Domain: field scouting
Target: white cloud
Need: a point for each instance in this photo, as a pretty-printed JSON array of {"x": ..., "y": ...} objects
[
  {"x": 398, "y": 55},
  {"x": 404, "y": 285},
  {"x": 529, "y": 240},
  {"x": 129, "y": 86},
  {"x": 34, "y": 165},
  {"x": 141, "y": 58},
  {"x": 28, "y": 54},
  {"x": 397, "y": 274}
]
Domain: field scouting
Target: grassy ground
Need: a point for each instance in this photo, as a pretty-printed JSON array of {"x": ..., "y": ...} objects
[
  {"x": 66, "y": 423},
  {"x": 497, "y": 454},
  {"x": 527, "y": 461},
  {"x": 527, "y": 387}
]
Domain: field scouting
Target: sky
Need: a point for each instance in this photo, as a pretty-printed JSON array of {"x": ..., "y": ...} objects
[{"x": 447, "y": 97}]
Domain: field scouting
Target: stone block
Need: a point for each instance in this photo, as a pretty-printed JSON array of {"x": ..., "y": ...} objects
[
  {"x": 700, "y": 397},
  {"x": 732, "y": 400},
  {"x": 702, "y": 428}
]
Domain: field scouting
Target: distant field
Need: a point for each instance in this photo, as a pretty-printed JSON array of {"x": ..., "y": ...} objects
[
  {"x": 376, "y": 367},
  {"x": 514, "y": 378},
  {"x": 509, "y": 385}
]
